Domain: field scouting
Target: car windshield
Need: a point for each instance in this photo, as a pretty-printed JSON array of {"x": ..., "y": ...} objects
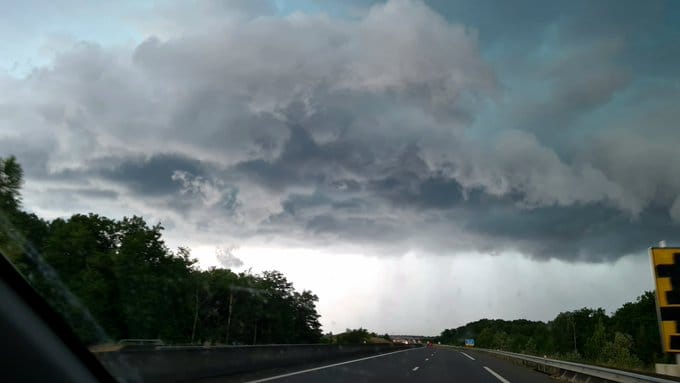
[{"x": 407, "y": 187}]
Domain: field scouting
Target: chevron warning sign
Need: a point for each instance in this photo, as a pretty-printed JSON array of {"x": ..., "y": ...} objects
[{"x": 666, "y": 264}]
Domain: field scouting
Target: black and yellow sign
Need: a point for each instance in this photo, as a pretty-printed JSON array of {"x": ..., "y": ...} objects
[{"x": 666, "y": 264}]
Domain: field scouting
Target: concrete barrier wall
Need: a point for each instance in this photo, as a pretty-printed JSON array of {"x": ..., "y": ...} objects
[{"x": 171, "y": 364}]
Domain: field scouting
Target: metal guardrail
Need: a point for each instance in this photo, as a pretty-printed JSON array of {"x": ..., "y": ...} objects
[{"x": 609, "y": 374}]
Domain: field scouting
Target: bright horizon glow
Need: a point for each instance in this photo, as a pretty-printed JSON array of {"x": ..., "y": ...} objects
[{"x": 385, "y": 294}]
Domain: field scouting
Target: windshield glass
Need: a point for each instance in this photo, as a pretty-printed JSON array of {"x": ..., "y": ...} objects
[{"x": 401, "y": 174}]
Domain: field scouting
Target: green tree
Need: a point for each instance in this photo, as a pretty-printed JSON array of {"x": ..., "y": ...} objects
[
  {"x": 152, "y": 283},
  {"x": 221, "y": 296},
  {"x": 486, "y": 338},
  {"x": 500, "y": 340},
  {"x": 596, "y": 342},
  {"x": 639, "y": 320},
  {"x": 530, "y": 347},
  {"x": 79, "y": 251},
  {"x": 307, "y": 326},
  {"x": 356, "y": 336},
  {"x": 11, "y": 178},
  {"x": 618, "y": 353},
  {"x": 571, "y": 330}
]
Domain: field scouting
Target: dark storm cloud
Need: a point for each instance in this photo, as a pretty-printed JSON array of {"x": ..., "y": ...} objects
[
  {"x": 153, "y": 175},
  {"x": 305, "y": 162},
  {"x": 428, "y": 200},
  {"x": 175, "y": 182},
  {"x": 544, "y": 128},
  {"x": 590, "y": 232},
  {"x": 408, "y": 189}
]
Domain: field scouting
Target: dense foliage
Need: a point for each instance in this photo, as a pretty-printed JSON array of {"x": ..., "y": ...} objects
[
  {"x": 356, "y": 336},
  {"x": 628, "y": 338},
  {"x": 116, "y": 279}
]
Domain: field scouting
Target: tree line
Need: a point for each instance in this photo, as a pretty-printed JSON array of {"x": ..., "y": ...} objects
[
  {"x": 628, "y": 338},
  {"x": 356, "y": 336},
  {"x": 116, "y": 279}
]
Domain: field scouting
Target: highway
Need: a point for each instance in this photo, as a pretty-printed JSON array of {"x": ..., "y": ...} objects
[{"x": 438, "y": 364}]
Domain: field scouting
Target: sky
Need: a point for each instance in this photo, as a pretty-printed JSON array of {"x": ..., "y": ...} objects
[{"x": 416, "y": 164}]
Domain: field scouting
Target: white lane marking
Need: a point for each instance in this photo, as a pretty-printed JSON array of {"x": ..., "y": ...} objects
[
  {"x": 466, "y": 355},
  {"x": 426, "y": 359},
  {"x": 494, "y": 373},
  {"x": 326, "y": 366},
  {"x": 415, "y": 368}
]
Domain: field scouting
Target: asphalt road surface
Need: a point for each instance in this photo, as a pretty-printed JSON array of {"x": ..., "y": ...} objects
[{"x": 438, "y": 364}]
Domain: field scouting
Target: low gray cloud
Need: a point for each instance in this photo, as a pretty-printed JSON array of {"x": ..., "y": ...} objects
[
  {"x": 226, "y": 257},
  {"x": 95, "y": 193},
  {"x": 399, "y": 127}
]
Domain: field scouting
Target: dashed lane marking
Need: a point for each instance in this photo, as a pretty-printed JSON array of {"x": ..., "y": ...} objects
[
  {"x": 467, "y": 355},
  {"x": 494, "y": 373}
]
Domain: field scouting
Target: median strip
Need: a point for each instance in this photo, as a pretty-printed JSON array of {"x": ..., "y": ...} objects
[
  {"x": 327, "y": 366},
  {"x": 494, "y": 373}
]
